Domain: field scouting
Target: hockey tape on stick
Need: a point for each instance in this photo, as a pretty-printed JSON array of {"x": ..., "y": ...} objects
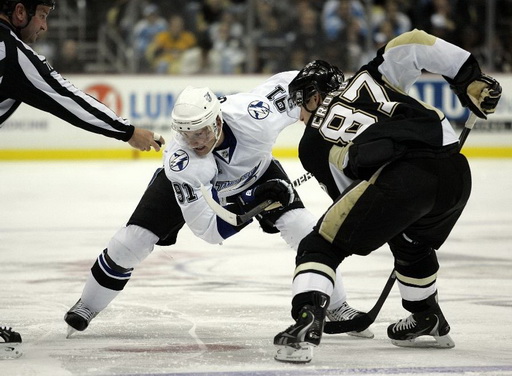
[
  {"x": 240, "y": 219},
  {"x": 468, "y": 126},
  {"x": 361, "y": 322},
  {"x": 230, "y": 217}
]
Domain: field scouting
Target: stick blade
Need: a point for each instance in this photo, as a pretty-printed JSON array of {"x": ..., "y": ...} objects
[
  {"x": 357, "y": 324},
  {"x": 226, "y": 215}
]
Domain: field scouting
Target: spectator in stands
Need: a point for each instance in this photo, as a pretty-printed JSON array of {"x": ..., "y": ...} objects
[
  {"x": 442, "y": 20},
  {"x": 309, "y": 35},
  {"x": 437, "y": 18},
  {"x": 210, "y": 13},
  {"x": 143, "y": 34},
  {"x": 390, "y": 21},
  {"x": 166, "y": 51},
  {"x": 122, "y": 15},
  {"x": 272, "y": 46},
  {"x": 227, "y": 53},
  {"x": 346, "y": 34},
  {"x": 337, "y": 15},
  {"x": 68, "y": 60}
]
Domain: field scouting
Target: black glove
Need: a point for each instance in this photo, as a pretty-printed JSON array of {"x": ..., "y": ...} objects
[
  {"x": 277, "y": 190},
  {"x": 475, "y": 90},
  {"x": 487, "y": 92}
]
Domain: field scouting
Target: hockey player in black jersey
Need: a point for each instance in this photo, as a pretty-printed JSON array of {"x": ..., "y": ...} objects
[
  {"x": 26, "y": 77},
  {"x": 392, "y": 166}
]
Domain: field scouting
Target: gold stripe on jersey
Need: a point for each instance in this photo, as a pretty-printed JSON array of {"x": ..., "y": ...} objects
[
  {"x": 412, "y": 37},
  {"x": 337, "y": 213},
  {"x": 337, "y": 155},
  {"x": 420, "y": 282},
  {"x": 312, "y": 266}
]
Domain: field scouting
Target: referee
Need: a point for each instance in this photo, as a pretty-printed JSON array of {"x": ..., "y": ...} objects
[{"x": 26, "y": 77}]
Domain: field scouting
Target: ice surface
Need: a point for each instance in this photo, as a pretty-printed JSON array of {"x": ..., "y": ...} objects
[{"x": 200, "y": 309}]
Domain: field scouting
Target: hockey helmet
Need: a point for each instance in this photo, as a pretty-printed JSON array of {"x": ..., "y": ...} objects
[
  {"x": 196, "y": 108},
  {"x": 7, "y": 6},
  {"x": 317, "y": 76}
]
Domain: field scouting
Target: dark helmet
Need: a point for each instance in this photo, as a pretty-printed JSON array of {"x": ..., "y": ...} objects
[
  {"x": 7, "y": 6},
  {"x": 317, "y": 76}
]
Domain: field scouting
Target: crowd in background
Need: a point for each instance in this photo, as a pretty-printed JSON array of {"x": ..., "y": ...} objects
[{"x": 221, "y": 37}]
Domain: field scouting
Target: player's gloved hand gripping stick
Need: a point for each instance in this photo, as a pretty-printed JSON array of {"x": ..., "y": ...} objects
[{"x": 267, "y": 196}]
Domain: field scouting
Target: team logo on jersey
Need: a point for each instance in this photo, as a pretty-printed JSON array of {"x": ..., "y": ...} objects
[
  {"x": 258, "y": 110},
  {"x": 246, "y": 179},
  {"x": 179, "y": 161}
]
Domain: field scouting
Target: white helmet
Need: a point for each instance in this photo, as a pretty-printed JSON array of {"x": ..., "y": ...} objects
[{"x": 196, "y": 108}]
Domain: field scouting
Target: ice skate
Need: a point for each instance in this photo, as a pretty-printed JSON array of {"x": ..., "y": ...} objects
[
  {"x": 78, "y": 318},
  {"x": 406, "y": 331},
  {"x": 296, "y": 343},
  {"x": 346, "y": 312},
  {"x": 10, "y": 343}
]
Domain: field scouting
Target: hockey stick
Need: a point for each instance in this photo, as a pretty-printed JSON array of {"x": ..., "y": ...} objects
[
  {"x": 230, "y": 217},
  {"x": 363, "y": 321},
  {"x": 468, "y": 126},
  {"x": 239, "y": 219},
  {"x": 302, "y": 179}
]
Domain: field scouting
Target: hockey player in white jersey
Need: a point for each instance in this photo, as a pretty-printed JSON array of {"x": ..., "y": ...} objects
[
  {"x": 27, "y": 77},
  {"x": 224, "y": 145}
]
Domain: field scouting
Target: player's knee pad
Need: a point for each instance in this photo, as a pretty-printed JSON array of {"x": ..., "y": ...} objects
[
  {"x": 294, "y": 225},
  {"x": 416, "y": 257},
  {"x": 130, "y": 246},
  {"x": 314, "y": 248}
]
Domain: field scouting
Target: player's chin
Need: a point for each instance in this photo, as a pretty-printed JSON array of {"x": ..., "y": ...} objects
[{"x": 202, "y": 151}]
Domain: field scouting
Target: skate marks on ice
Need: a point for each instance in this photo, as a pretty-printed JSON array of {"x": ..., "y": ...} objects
[{"x": 200, "y": 309}]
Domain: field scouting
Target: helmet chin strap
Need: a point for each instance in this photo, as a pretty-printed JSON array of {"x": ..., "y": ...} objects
[
  {"x": 304, "y": 105},
  {"x": 217, "y": 133},
  {"x": 308, "y": 110}
]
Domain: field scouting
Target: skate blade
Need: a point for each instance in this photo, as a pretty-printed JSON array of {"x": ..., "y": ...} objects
[
  {"x": 289, "y": 354},
  {"x": 70, "y": 331},
  {"x": 439, "y": 342},
  {"x": 10, "y": 350}
]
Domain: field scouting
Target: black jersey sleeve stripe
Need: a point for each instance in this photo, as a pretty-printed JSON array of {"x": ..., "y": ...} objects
[
  {"x": 64, "y": 100},
  {"x": 27, "y": 77}
]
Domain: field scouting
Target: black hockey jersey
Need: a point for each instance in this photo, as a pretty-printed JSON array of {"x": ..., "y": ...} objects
[{"x": 374, "y": 109}]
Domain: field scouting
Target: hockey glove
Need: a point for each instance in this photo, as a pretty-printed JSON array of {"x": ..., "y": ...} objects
[
  {"x": 277, "y": 190},
  {"x": 476, "y": 90},
  {"x": 484, "y": 94}
]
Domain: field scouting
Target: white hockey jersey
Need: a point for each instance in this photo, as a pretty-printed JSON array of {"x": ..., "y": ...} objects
[{"x": 252, "y": 122}]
